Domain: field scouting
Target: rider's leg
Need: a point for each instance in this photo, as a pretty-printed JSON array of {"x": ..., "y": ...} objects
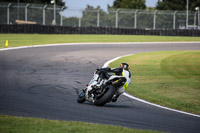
[{"x": 119, "y": 92}]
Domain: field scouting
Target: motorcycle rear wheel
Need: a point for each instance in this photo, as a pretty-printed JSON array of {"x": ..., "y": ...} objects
[{"x": 106, "y": 97}]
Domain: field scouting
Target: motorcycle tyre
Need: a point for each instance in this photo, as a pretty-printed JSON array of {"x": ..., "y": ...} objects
[
  {"x": 81, "y": 98},
  {"x": 106, "y": 97}
]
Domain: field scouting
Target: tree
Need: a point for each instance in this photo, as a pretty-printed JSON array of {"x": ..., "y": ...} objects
[
  {"x": 89, "y": 17},
  {"x": 58, "y": 2},
  {"x": 177, "y": 4},
  {"x": 130, "y": 4},
  {"x": 71, "y": 21}
]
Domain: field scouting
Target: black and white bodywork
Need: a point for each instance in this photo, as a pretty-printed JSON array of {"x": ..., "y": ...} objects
[{"x": 106, "y": 86}]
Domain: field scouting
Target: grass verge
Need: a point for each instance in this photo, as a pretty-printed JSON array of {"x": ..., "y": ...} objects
[
  {"x": 169, "y": 78},
  {"x": 12, "y": 124},
  {"x": 15, "y": 40}
]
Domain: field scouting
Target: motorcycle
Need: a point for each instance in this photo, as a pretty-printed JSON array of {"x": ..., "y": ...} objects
[{"x": 102, "y": 88}]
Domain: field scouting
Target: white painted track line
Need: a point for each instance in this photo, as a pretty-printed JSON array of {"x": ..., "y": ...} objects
[{"x": 103, "y": 43}]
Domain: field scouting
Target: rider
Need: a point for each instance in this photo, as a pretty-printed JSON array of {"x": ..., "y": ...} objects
[{"x": 123, "y": 70}]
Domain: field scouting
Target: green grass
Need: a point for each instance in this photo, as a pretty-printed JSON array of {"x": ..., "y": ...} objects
[
  {"x": 15, "y": 40},
  {"x": 169, "y": 78},
  {"x": 12, "y": 124}
]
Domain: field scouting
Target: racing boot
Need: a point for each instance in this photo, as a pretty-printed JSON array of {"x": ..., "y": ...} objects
[{"x": 114, "y": 99}]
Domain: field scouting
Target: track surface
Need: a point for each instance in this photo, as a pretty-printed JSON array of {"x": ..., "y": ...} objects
[{"x": 44, "y": 82}]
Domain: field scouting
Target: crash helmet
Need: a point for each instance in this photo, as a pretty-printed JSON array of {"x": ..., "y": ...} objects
[{"x": 125, "y": 66}]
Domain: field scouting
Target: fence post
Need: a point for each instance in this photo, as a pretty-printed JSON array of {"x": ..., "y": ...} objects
[
  {"x": 116, "y": 18},
  {"x": 98, "y": 12},
  {"x": 195, "y": 18},
  {"x": 61, "y": 20},
  {"x": 135, "y": 23},
  {"x": 154, "y": 19},
  {"x": 61, "y": 17},
  {"x": 198, "y": 19},
  {"x": 26, "y": 12},
  {"x": 79, "y": 22},
  {"x": 8, "y": 13},
  {"x": 187, "y": 13},
  {"x": 45, "y": 6},
  {"x": 174, "y": 22},
  {"x": 54, "y": 12}
]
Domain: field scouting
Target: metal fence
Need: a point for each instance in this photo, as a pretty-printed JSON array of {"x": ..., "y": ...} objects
[{"x": 115, "y": 18}]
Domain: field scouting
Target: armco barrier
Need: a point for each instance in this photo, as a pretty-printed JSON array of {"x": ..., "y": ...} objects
[{"x": 43, "y": 29}]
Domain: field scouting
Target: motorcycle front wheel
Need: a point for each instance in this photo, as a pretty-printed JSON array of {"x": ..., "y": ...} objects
[
  {"x": 110, "y": 91},
  {"x": 81, "y": 98}
]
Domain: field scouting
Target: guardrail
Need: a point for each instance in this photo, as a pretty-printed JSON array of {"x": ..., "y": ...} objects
[{"x": 44, "y": 29}]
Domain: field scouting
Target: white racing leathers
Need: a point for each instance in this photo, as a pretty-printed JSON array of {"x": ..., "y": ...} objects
[{"x": 127, "y": 75}]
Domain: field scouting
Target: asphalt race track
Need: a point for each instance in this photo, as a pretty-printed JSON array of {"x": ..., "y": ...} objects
[{"x": 44, "y": 82}]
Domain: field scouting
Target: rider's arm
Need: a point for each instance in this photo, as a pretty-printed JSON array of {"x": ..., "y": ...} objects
[{"x": 117, "y": 71}]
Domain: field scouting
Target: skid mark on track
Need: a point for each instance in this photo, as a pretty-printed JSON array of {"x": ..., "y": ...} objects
[
  {"x": 77, "y": 90},
  {"x": 48, "y": 65},
  {"x": 78, "y": 82},
  {"x": 92, "y": 63},
  {"x": 50, "y": 90}
]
